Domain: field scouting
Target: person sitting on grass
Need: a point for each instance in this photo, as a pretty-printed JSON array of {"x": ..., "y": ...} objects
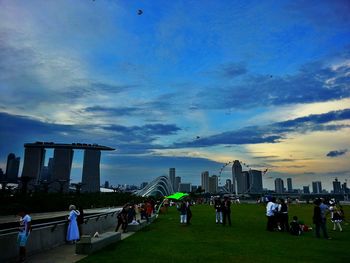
[{"x": 295, "y": 227}]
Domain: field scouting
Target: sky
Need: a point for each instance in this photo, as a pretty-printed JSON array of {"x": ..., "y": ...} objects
[{"x": 186, "y": 84}]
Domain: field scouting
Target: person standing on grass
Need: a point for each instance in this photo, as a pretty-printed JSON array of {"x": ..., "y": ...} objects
[
  {"x": 73, "y": 230},
  {"x": 283, "y": 215},
  {"x": 218, "y": 210},
  {"x": 319, "y": 219},
  {"x": 25, "y": 226},
  {"x": 226, "y": 211},
  {"x": 189, "y": 212},
  {"x": 183, "y": 212},
  {"x": 271, "y": 214},
  {"x": 336, "y": 216}
]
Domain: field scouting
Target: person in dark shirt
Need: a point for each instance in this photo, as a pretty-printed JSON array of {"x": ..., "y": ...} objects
[
  {"x": 295, "y": 228},
  {"x": 218, "y": 211},
  {"x": 319, "y": 220},
  {"x": 226, "y": 211}
]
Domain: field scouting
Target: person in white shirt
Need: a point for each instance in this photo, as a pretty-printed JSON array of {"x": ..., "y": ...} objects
[
  {"x": 25, "y": 225},
  {"x": 271, "y": 208}
]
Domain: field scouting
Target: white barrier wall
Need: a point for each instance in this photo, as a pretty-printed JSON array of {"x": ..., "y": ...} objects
[{"x": 51, "y": 236}]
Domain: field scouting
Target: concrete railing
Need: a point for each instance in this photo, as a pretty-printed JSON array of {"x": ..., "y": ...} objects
[{"x": 49, "y": 235}]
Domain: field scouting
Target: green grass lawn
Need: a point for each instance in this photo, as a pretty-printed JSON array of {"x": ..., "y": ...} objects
[{"x": 166, "y": 240}]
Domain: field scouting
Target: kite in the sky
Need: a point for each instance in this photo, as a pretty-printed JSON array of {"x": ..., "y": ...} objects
[{"x": 139, "y": 12}]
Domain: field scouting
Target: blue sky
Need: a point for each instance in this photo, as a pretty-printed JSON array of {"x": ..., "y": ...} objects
[{"x": 187, "y": 84}]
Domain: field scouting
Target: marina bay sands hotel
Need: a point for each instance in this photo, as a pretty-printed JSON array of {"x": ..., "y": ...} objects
[{"x": 34, "y": 159}]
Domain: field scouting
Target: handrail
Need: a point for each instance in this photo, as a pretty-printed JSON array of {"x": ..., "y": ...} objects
[{"x": 59, "y": 222}]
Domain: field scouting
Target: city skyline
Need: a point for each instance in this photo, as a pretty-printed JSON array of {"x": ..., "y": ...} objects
[{"x": 186, "y": 84}]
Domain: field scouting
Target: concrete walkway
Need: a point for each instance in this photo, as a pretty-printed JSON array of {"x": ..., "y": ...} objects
[{"x": 63, "y": 254}]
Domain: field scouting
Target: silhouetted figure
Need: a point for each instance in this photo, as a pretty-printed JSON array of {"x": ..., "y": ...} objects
[
  {"x": 319, "y": 219},
  {"x": 80, "y": 220},
  {"x": 122, "y": 219},
  {"x": 226, "y": 211}
]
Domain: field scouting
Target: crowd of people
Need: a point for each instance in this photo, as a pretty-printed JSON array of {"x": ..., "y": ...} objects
[
  {"x": 277, "y": 217},
  {"x": 277, "y": 213}
]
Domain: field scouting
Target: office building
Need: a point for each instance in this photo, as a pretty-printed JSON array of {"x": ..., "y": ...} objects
[
  {"x": 336, "y": 186},
  {"x": 12, "y": 168},
  {"x": 172, "y": 176},
  {"x": 255, "y": 181},
  {"x": 316, "y": 187},
  {"x": 213, "y": 184},
  {"x": 228, "y": 186},
  {"x": 185, "y": 187},
  {"x": 306, "y": 189},
  {"x": 177, "y": 183},
  {"x": 237, "y": 176},
  {"x": 279, "y": 187},
  {"x": 243, "y": 182},
  {"x": 205, "y": 181},
  {"x": 289, "y": 185}
]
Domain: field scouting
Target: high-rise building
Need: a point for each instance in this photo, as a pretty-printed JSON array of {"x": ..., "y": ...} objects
[
  {"x": 185, "y": 187},
  {"x": 316, "y": 187},
  {"x": 213, "y": 184},
  {"x": 336, "y": 186},
  {"x": 91, "y": 171},
  {"x": 237, "y": 176},
  {"x": 306, "y": 189},
  {"x": 205, "y": 181},
  {"x": 243, "y": 182},
  {"x": 289, "y": 185},
  {"x": 194, "y": 188},
  {"x": 12, "y": 168},
  {"x": 177, "y": 183},
  {"x": 255, "y": 180},
  {"x": 106, "y": 184},
  {"x": 228, "y": 185},
  {"x": 172, "y": 176},
  {"x": 34, "y": 159},
  {"x": 62, "y": 164},
  {"x": 279, "y": 187}
]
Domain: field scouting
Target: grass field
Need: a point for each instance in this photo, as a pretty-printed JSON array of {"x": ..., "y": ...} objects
[{"x": 246, "y": 240}]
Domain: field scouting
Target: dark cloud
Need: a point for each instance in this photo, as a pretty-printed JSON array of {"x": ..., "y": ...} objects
[
  {"x": 127, "y": 139},
  {"x": 314, "y": 82},
  {"x": 233, "y": 70},
  {"x": 273, "y": 133},
  {"x": 117, "y": 111},
  {"x": 337, "y": 153}
]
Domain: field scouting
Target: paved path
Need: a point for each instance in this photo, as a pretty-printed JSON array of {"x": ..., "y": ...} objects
[{"x": 63, "y": 254}]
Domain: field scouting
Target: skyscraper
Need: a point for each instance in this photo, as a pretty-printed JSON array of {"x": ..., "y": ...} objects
[
  {"x": 243, "y": 182},
  {"x": 289, "y": 185},
  {"x": 33, "y": 163},
  {"x": 172, "y": 176},
  {"x": 12, "y": 168},
  {"x": 279, "y": 187},
  {"x": 62, "y": 165},
  {"x": 228, "y": 185},
  {"x": 205, "y": 181},
  {"x": 255, "y": 180},
  {"x": 213, "y": 184},
  {"x": 336, "y": 186},
  {"x": 237, "y": 176},
  {"x": 91, "y": 171},
  {"x": 317, "y": 187},
  {"x": 177, "y": 183}
]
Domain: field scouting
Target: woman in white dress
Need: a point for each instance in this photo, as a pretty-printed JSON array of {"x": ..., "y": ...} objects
[{"x": 73, "y": 230}]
